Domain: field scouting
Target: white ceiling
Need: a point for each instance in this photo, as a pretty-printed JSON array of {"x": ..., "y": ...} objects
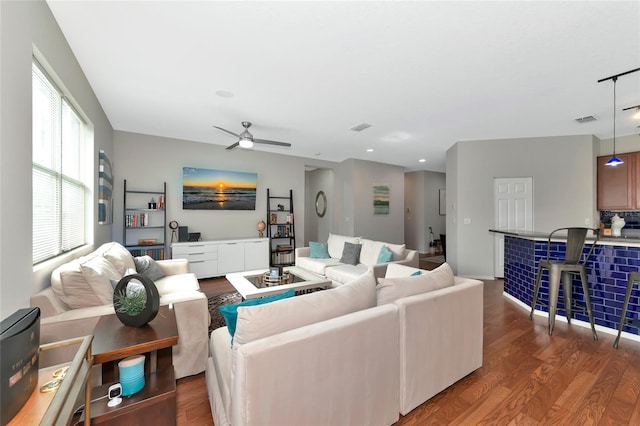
[{"x": 424, "y": 74}]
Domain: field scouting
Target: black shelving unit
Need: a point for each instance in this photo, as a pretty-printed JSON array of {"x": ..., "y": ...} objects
[
  {"x": 143, "y": 222},
  {"x": 281, "y": 230}
]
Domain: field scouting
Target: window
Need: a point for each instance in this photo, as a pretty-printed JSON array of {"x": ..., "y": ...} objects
[{"x": 60, "y": 192}]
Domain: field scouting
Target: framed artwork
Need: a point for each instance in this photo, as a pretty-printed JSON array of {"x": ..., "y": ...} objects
[
  {"x": 208, "y": 189},
  {"x": 381, "y": 198},
  {"x": 443, "y": 201},
  {"x": 105, "y": 189}
]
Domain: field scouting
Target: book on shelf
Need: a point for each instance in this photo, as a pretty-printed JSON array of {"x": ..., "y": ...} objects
[
  {"x": 278, "y": 258},
  {"x": 136, "y": 220},
  {"x": 284, "y": 247},
  {"x": 154, "y": 253}
]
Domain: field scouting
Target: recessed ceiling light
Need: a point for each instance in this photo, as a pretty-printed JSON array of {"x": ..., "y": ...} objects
[
  {"x": 224, "y": 93},
  {"x": 369, "y": 149},
  {"x": 422, "y": 160}
]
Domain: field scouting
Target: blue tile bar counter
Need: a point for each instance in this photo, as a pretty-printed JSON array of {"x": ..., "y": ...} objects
[{"x": 607, "y": 273}]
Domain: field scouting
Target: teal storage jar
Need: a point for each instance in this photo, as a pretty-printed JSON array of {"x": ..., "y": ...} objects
[{"x": 131, "y": 374}]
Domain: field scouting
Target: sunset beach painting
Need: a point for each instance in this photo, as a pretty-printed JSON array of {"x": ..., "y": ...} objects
[{"x": 207, "y": 189}]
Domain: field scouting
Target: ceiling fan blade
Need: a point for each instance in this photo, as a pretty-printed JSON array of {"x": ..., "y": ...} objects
[
  {"x": 233, "y": 146},
  {"x": 227, "y": 131},
  {"x": 268, "y": 142}
]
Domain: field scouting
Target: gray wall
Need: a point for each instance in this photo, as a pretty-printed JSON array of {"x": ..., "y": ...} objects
[
  {"x": 147, "y": 161},
  {"x": 422, "y": 208},
  {"x": 318, "y": 228},
  {"x": 564, "y": 178},
  {"x": 357, "y": 178},
  {"x": 629, "y": 143},
  {"x": 23, "y": 26}
]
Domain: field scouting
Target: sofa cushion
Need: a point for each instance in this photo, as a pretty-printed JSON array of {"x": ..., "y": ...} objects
[
  {"x": 398, "y": 250},
  {"x": 318, "y": 250},
  {"x": 177, "y": 283},
  {"x": 392, "y": 289},
  {"x": 345, "y": 273},
  {"x": 146, "y": 266},
  {"x": 335, "y": 244},
  {"x": 395, "y": 270},
  {"x": 230, "y": 312},
  {"x": 317, "y": 266},
  {"x": 351, "y": 253},
  {"x": 371, "y": 251},
  {"x": 118, "y": 255},
  {"x": 257, "y": 322}
]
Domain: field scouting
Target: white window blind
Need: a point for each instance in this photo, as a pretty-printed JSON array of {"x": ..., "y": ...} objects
[{"x": 59, "y": 191}]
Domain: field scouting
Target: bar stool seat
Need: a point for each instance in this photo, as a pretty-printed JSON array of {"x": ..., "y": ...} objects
[
  {"x": 562, "y": 270},
  {"x": 634, "y": 277}
]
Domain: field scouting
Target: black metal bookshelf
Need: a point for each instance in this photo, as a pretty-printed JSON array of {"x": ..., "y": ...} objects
[{"x": 281, "y": 229}]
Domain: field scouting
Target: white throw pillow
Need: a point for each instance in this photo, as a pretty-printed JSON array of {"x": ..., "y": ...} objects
[
  {"x": 392, "y": 289},
  {"x": 98, "y": 273},
  {"x": 257, "y": 322},
  {"x": 335, "y": 244},
  {"x": 118, "y": 255}
]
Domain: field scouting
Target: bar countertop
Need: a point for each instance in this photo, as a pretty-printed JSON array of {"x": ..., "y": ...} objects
[{"x": 630, "y": 239}]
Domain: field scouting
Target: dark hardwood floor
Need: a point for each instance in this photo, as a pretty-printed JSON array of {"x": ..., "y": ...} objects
[{"x": 527, "y": 377}]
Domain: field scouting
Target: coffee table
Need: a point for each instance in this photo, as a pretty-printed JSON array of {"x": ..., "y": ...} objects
[{"x": 251, "y": 284}]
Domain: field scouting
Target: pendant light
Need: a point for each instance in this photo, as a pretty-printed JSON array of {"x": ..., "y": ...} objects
[{"x": 614, "y": 161}]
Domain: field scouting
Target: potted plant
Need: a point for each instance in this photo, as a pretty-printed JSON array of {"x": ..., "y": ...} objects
[{"x": 136, "y": 307}]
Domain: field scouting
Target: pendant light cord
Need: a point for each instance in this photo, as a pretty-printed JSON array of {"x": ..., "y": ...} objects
[{"x": 615, "y": 79}]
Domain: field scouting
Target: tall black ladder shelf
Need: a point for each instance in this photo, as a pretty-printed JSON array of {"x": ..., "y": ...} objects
[
  {"x": 144, "y": 226},
  {"x": 281, "y": 230}
]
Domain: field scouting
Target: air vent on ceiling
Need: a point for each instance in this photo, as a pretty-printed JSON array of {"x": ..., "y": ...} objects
[
  {"x": 360, "y": 127},
  {"x": 586, "y": 119}
]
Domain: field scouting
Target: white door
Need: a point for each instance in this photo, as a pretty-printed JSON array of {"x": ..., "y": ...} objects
[{"x": 513, "y": 211}]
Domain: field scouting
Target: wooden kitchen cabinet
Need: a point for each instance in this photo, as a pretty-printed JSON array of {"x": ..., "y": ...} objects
[{"x": 619, "y": 186}]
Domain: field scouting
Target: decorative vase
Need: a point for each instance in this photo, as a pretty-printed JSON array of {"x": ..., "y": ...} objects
[
  {"x": 617, "y": 223},
  {"x": 261, "y": 226},
  {"x": 151, "y": 306}
]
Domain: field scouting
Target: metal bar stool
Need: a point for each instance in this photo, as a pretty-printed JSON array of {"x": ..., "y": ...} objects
[
  {"x": 562, "y": 269},
  {"x": 634, "y": 277}
]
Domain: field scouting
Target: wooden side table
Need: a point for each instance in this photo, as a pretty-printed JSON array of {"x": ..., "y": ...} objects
[{"x": 155, "y": 404}]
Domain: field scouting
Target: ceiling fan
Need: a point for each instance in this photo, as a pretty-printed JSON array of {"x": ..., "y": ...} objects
[{"x": 246, "y": 139}]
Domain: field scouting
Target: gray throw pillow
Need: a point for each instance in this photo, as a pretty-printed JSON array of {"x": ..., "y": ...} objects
[
  {"x": 146, "y": 266},
  {"x": 351, "y": 253}
]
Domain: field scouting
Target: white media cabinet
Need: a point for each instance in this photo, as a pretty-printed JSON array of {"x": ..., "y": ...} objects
[{"x": 217, "y": 258}]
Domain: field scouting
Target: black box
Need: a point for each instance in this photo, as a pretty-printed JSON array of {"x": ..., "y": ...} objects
[
  {"x": 19, "y": 360},
  {"x": 183, "y": 234}
]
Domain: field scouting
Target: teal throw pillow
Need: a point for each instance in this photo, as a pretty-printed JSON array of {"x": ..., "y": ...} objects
[
  {"x": 415, "y": 273},
  {"x": 319, "y": 250},
  {"x": 385, "y": 255},
  {"x": 230, "y": 312}
]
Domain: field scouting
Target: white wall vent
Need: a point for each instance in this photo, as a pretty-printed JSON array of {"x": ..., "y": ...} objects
[
  {"x": 586, "y": 119},
  {"x": 360, "y": 127}
]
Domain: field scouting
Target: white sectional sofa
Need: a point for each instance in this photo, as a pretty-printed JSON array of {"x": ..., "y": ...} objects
[
  {"x": 339, "y": 273},
  {"x": 81, "y": 292},
  {"x": 357, "y": 354}
]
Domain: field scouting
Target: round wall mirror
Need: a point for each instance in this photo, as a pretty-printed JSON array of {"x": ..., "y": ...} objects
[{"x": 321, "y": 203}]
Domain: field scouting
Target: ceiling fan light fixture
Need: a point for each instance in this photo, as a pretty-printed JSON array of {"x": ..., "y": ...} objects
[
  {"x": 636, "y": 115},
  {"x": 245, "y": 142}
]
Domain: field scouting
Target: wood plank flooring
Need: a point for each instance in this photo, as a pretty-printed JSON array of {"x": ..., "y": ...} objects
[{"x": 527, "y": 377}]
